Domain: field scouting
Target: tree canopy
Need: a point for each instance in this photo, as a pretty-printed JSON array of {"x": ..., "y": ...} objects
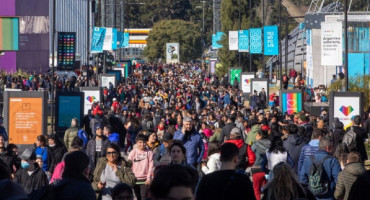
[{"x": 186, "y": 33}]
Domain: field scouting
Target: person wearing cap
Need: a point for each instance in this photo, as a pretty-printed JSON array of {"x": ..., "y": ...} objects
[
  {"x": 164, "y": 154},
  {"x": 115, "y": 105},
  {"x": 30, "y": 176},
  {"x": 246, "y": 155},
  {"x": 71, "y": 133},
  {"x": 96, "y": 147},
  {"x": 192, "y": 141}
]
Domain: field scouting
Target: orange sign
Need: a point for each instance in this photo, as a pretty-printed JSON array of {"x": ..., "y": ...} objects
[{"x": 25, "y": 120}]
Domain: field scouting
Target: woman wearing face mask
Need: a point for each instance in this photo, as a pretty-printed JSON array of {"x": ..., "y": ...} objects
[
  {"x": 30, "y": 172},
  {"x": 57, "y": 147}
]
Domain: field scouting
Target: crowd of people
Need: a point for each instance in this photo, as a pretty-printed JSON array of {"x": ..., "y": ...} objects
[{"x": 177, "y": 132}]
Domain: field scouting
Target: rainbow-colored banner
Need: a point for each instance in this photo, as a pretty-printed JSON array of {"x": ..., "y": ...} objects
[
  {"x": 9, "y": 31},
  {"x": 291, "y": 102}
]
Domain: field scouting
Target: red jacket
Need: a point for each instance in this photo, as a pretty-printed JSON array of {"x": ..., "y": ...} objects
[{"x": 248, "y": 152}]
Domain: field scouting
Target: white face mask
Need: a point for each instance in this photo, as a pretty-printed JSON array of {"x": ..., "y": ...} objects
[{"x": 52, "y": 145}]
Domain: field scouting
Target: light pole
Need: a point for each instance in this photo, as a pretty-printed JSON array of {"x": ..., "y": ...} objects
[
  {"x": 52, "y": 69},
  {"x": 346, "y": 42},
  {"x": 239, "y": 29},
  {"x": 280, "y": 51},
  {"x": 250, "y": 24}
]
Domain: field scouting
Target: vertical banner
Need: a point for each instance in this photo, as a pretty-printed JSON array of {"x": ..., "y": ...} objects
[
  {"x": 246, "y": 82},
  {"x": 233, "y": 40},
  {"x": 331, "y": 43},
  {"x": 234, "y": 73},
  {"x": 344, "y": 106},
  {"x": 120, "y": 39},
  {"x": 309, "y": 63},
  {"x": 114, "y": 39},
  {"x": 107, "y": 44},
  {"x": 9, "y": 33},
  {"x": 97, "y": 40},
  {"x": 126, "y": 40},
  {"x": 172, "y": 52},
  {"x": 212, "y": 66},
  {"x": 291, "y": 101},
  {"x": 66, "y": 50},
  {"x": 255, "y": 40},
  {"x": 270, "y": 40},
  {"x": 243, "y": 39}
]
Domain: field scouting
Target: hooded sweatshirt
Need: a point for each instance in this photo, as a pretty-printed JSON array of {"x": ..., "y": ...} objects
[
  {"x": 259, "y": 148},
  {"x": 246, "y": 155},
  {"x": 142, "y": 163},
  {"x": 293, "y": 144}
]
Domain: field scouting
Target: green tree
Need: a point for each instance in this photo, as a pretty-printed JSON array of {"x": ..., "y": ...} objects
[
  {"x": 230, "y": 22},
  {"x": 185, "y": 33}
]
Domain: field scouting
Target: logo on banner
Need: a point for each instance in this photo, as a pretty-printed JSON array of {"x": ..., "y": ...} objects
[
  {"x": 90, "y": 99},
  {"x": 346, "y": 110},
  {"x": 291, "y": 102},
  {"x": 247, "y": 81},
  {"x": 255, "y": 40}
]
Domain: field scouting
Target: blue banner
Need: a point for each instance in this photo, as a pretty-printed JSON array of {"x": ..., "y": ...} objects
[
  {"x": 97, "y": 40},
  {"x": 215, "y": 39},
  {"x": 243, "y": 41},
  {"x": 126, "y": 40},
  {"x": 270, "y": 40},
  {"x": 114, "y": 39},
  {"x": 255, "y": 37},
  {"x": 120, "y": 39}
]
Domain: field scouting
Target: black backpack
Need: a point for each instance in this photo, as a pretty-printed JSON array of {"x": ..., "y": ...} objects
[{"x": 318, "y": 181}]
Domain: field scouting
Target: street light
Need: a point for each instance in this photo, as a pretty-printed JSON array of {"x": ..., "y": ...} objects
[{"x": 203, "y": 2}]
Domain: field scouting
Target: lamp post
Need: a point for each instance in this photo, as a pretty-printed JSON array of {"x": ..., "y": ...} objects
[
  {"x": 239, "y": 29},
  {"x": 52, "y": 69},
  {"x": 346, "y": 42}
]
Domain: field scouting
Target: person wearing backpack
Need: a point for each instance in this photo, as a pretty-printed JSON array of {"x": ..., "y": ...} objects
[
  {"x": 320, "y": 171},
  {"x": 355, "y": 137}
]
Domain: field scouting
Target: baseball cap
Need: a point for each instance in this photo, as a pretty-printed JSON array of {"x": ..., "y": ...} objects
[
  {"x": 114, "y": 99},
  {"x": 98, "y": 126},
  {"x": 167, "y": 137},
  {"x": 28, "y": 155},
  {"x": 236, "y": 132}
]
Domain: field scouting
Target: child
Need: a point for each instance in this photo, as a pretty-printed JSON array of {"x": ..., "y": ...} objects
[{"x": 142, "y": 166}]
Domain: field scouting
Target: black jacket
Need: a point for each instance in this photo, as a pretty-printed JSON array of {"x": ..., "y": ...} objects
[
  {"x": 225, "y": 132},
  {"x": 293, "y": 144},
  {"x": 58, "y": 151},
  {"x": 338, "y": 136},
  {"x": 360, "y": 188},
  {"x": 37, "y": 180},
  {"x": 75, "y": 189},
  {"x": 360, "y": 139},
  {"x": 225, "y": 184},
  {"x": 91, "y": 148}
]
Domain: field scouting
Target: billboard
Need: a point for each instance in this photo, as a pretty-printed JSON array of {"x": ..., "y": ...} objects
[
  {"x": 172, "y": 52},
  {"x": 65, "y": 103},
  {"x": 9, "y": 33},
  {"x": 345, "y": 105},
  {"x": 246, "y": 82},
  {"x": 233, "y": 40},
  {"x": 24, "y": 116},
  {"x": 234, "y": 73},
  {"x": 270, "y": 40},
  {"x": 216, "y": 38},
  {"x": 91, "y": 94},
  {"x": 25, "y": 120},
  {"x": 255, "y": 37},
  {"x": 105, "y": 79},
  {"x": 258, "y": 84},
  {"x": 331, "y": 43},
  {"x": 291, "y": 101},
  {"x": 66, "y": 50}
]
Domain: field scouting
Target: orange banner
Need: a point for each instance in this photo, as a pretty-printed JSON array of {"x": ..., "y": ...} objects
[{"x": 25, "y": 120}]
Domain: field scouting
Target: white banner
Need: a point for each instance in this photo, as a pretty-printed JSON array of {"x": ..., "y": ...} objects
[
  {"x": 331, "y": 43},
  {"x": 105, "y": 80},
  {"x": 246, "y": 82},
  {"x": 345, "y": 108},
  {"x": 258, "y": 85},
  {"x": 120, "y": 69},
  {"x": 107, "y": 45},
  {"x": 233, "y": 41},
  {"x": 90, "y": 97}
]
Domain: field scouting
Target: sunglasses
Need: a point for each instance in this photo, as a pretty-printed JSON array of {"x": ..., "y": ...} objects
[{"x": 112, "y": 153}]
